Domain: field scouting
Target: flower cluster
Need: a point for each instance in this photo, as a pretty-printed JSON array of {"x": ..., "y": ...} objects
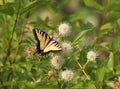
[{"x": 57, "y": 61}]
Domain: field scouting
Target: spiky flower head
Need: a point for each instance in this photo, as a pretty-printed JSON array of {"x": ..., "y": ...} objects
[
  {"x": 67, "y": 75},
  {"x": 91, "y": 55},
  {"x": 66, "y": 48},
  {"x": 64, "y": 29},
  {"x": 57, "y": 62}
]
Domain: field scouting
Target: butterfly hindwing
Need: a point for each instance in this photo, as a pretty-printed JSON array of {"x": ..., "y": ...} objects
[
  {"x": 53, "y": 46},
  {"x": 45, "y": 43}
]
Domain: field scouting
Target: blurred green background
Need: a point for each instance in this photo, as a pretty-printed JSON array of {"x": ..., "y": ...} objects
[{"x": 95, "y": 25}]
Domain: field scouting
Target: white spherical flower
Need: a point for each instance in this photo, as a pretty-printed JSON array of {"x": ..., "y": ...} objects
[
  {"x": 66, "y": 48},
  {"x": 57, "y": 62},
  {"x": 91, "y": 55},
  {"x": 67, "y": 75},
  {"x": 64, "y": 29}
]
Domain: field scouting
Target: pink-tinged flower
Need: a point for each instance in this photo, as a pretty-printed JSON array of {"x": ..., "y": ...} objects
[{"x": 31, "y": 50}]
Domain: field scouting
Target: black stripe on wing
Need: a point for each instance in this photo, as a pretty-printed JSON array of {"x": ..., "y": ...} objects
[
  {"x": 35, "y": 35},
  {"x": 56, "y": 44},
  {"x": 47, "y": 39},
  {"x": 45, "y": 35},
  {"x": 38, "y": 41}
]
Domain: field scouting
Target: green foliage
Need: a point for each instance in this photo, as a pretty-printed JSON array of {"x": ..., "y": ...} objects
[
  {"x": 8, "y": 8},
  {"x": 95, "y": 26}
]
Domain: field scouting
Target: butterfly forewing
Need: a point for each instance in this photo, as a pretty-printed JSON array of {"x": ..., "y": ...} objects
[{"x": 43, "y": 38}]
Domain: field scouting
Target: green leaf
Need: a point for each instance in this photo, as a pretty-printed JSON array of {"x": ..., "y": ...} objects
[
  {"x": 100, "y": 73},
  {"x": 116, "y": 44},
  {"x": 16, "y": 67},
  {"x": 106, "y": 26},
  {"x": 34, "y": 4},
  {"x": 47, "y": 85},
  {"x": 57, "y": 6},
  {"x": 9, "y": 83},
  {"x": 110, "y": 84},
  {"x": 113, "y": 15},
  {"x": 1, "y": 64},
  {"x": 82, "y": 14},
  {"x": 93, "y": 4},
  {"x": 110, "y": 63},
  {"x": 118, "y": 21},
  {"x": 30, "y": 84},
  {"x": 80, "y": 35},
  {"x": 82, "y": 85},
  {"x": 1, "y": 19},
  {"x": 7, "y": 9},
  {"x": 117, "y": 69},
  {"x": 104, "y": 45}
]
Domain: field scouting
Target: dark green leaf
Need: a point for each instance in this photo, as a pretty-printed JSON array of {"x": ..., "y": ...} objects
[
  {"x": 93, "y": 4},
  {"x": 106, "y": 26},
  {"x": 110, "y": 63},
  {"x": 34, "y": 4},
  {"x": 8, "y": 8},
  {"x": 100, "y": 73},
  {"x": 80, "y": 35},
  {"x": 116, "y": 43},
  {"x": 76, "y": 16}
]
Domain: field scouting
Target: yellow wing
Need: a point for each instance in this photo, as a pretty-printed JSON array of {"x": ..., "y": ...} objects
[
  {"x": 45, "y": 43},
  {"x": 42, "y": 38},
  {"x": 53, "y": 46}
]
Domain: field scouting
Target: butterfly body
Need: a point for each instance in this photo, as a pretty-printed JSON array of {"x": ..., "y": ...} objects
[{"x": 45, "y": 43}]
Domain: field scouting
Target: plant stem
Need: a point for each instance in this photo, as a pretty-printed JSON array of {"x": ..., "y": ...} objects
[
  {"x": 58, "y": 83},
  {"x": 11, "y": 38},
  {"x": 106, "y": 12},
  {"x": 62, "y": 85},
  {"x": 21, "y": 36},
  {"x": 19, "y": 42},
  {"x": 83, "y": 70},
  {"x": 5, "y": 17},
  {"x": 57, "y": 79}
]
